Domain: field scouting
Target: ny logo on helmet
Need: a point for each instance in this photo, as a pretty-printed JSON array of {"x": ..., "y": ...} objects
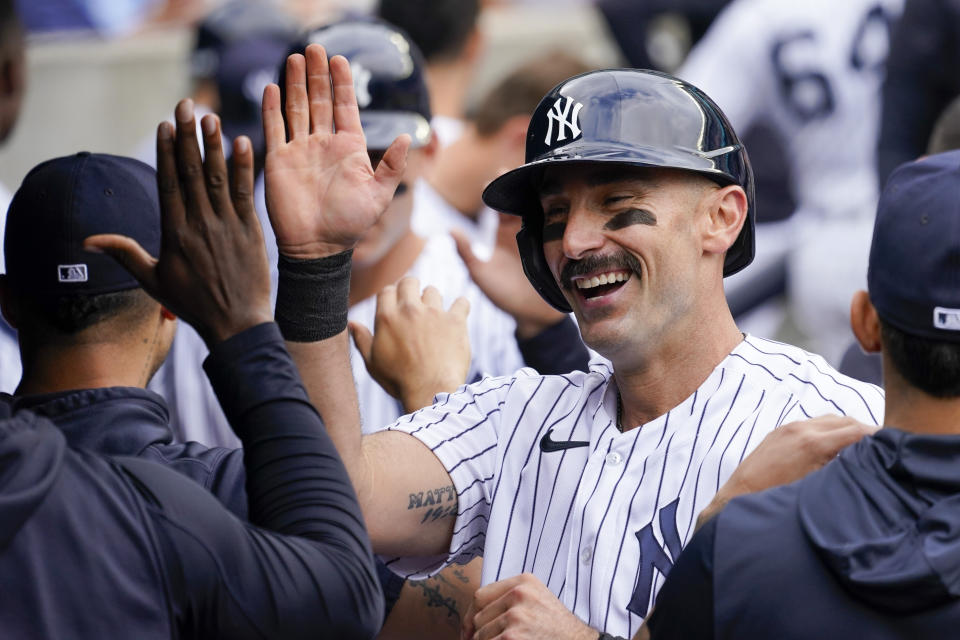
[
  {"x": 361, "y": 84},
  {"x": 565, "y": 115}
]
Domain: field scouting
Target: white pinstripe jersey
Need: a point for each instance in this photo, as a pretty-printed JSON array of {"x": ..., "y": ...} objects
[
  {"x": 813, "y": 71},
  {"x": 601, "y": 524},
  {"x": 493, "y": 347}
]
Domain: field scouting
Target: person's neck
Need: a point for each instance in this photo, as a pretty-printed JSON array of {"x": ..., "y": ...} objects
[
  {"x": 51, "y": 369},
  {"x": 909, "y": 409},
  {"x": 460, "y": 174},
  {"x": 655, "y": 383},
  {"x": 368, "y": 280},
  {"x": 448, "y": 83}
]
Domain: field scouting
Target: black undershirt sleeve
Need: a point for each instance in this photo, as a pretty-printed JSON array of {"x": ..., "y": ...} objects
[
  {"x": 555, "y": 350},
  {"x": 227, "y": 578},
  {"x": 684, "y": 607}
]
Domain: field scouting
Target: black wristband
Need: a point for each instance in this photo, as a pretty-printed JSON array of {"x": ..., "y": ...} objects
[
  {"x": 607, "y": 636},
  {"x": 313, "y": 297}
]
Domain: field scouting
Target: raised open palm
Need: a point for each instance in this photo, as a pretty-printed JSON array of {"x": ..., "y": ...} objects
[{"x": 322, "y": 192}]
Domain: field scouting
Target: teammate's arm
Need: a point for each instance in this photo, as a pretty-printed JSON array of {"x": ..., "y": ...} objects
[
  {"x": 322, "y": 195},
  {"x": 224, "y": 577},
  {"x": 787, "y": 454}
]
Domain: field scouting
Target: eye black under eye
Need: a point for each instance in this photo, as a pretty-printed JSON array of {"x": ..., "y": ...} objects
[{"x": 553, "y": 231}]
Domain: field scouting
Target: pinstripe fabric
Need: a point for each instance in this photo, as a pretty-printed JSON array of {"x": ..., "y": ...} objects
[{"x": 579, "y": 518}]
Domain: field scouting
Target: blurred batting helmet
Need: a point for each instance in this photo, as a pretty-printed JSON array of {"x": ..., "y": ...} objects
[
  {"x": 388, "y": 78},
  {"x": 238, "y": 46},
  {"x": 629, "y": 117}
]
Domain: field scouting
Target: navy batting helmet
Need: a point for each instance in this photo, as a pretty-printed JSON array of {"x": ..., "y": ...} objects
[
  {"x": 623, "y": 116},
  {"x": 388, "y": 77}
]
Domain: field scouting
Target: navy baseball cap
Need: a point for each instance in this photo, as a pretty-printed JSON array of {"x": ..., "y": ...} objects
[
  {"x": 63, "y": 201},
  {"x": 914, "y": 273}
]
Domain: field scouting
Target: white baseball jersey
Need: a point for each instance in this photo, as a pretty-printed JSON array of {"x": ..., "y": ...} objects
[
  {"x": 493, "y": 346},
  {"x": 813, "y": 70},
  {"x": 446, "y": 128},
  {"x": 547, "y": 484},
  {"x": 432, "y": 215}
]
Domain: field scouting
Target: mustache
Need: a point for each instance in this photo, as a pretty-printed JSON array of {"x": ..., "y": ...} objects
[{"x": 593, "y": 264}]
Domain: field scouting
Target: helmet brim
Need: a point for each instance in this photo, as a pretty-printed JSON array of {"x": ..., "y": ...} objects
[
  {"x": 516, "y": 192},
  {"x": 381, "y": 128}
]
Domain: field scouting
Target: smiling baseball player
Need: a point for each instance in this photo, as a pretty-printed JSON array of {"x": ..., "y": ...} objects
[{"x": 580, "y": 490}]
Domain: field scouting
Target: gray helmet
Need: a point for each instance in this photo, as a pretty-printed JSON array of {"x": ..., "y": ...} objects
[
  {"x": 388, "y": 76},
  {"x": 630, "y": 117}
]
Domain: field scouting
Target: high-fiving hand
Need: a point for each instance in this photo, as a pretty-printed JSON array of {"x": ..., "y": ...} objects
[
  {"x": 212, "y": 268},
  {"x": 322, "y": 192},
  {"x": 417, "y": 349}
]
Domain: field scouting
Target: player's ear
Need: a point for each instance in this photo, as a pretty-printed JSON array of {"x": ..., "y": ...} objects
[
  {"x": 865, "y": 322},
  {"x": 430, "y": 149},
  {"x": 474, "y": 45},
  {"x": 724, "y": 217},
  {"x": 514, "y": 131}
]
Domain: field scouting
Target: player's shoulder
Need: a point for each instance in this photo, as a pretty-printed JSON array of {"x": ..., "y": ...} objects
[
  {"x": 820, "y": 388},
  {"x": 527, "y": 378},
  {"x": 756, "y": 16},
  {"x": 526, "y": 386}
]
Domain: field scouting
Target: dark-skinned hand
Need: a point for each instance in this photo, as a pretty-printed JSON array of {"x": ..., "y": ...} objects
[{"x": 212, "y": 268}]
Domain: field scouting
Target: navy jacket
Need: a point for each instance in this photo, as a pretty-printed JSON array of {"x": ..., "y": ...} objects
[
  {"x": 867, "y": 547},
  {"x": 102, "y": 547},
  {"x": 127, "y": 421}
]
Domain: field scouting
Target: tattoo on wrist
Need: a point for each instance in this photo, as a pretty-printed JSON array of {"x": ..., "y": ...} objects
[
  {"x": 436, "y": 599},
  {"x": 440, "y": 503}
]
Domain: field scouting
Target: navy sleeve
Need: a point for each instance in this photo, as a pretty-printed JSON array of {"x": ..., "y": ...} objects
[
  {"x": 232, "y": 579},
  {"x": 684, "y": 607},
  {"x": 555, "y": 350}
]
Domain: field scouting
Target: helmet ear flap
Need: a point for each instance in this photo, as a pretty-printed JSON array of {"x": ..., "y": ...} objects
[{"x": 530, "y": 243}]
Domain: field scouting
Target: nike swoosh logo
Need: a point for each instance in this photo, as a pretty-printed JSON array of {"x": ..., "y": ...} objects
[{"x": 548, "y": 445}]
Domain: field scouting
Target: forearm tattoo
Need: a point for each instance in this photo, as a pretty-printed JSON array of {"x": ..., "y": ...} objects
[{"x": 439, "y": 503}]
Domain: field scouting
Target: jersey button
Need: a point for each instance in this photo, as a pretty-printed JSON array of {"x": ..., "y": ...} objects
[
  {"x": 614, "y": 458},
  {"x": 586, "y": 555}
]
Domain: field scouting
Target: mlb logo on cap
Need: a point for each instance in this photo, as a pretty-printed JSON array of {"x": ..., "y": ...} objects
[
  {"x": 72, "y": 272},
  {"x": 948, "y": 319}
]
